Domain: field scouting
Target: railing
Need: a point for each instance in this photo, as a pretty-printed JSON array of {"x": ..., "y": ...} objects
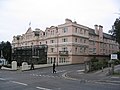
[{"x": 63, "y": 53}]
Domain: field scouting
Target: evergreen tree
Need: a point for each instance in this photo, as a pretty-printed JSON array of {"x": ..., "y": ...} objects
[
  {"x": 6, "y": 50},
  {"x": 116, "y": 30}
]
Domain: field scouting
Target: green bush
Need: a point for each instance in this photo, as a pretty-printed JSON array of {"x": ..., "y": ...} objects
[
  {"x": 116, "y": 62},
  {"x": 98, "y": 64},
  {"x": 0, "y": 66},
  {"x": 7, "y": 66}
]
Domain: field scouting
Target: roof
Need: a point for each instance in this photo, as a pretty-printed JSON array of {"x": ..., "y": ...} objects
[
  {"x": 107, "y": 36},
  {"x": 92, "y": 31}
]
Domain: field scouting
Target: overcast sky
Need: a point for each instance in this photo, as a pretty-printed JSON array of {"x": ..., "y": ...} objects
[{"x": 15, "y": 15}]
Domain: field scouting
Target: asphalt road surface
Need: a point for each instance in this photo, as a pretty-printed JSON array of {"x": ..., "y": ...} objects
[{"x": 44, "y": 79}]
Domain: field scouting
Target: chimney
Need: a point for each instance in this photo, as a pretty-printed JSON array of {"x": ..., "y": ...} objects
[
  {"x": 96, "y": 29},
  {"x": 100, "y": 33},
  {"x": 100, "y": 27},
  {"x": 68, "y": 21}
]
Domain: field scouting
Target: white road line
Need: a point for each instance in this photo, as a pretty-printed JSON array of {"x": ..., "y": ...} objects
[
  {"x": 2, "y": 79},
  {"x": 81, "y": 70},
  {"x": 43, "y": 88},
  {"x": 115, "y": 77},
  {"x": 19, "y": 83},
  {"x": 107, "y": 83},
  {"x": 66, "y": 77}
]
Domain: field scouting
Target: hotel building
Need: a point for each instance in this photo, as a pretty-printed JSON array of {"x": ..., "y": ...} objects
[{"x": 69, "y": 43}]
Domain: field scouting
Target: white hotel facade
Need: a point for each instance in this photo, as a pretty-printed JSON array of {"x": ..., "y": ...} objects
[{"x": 69, "y": 43}]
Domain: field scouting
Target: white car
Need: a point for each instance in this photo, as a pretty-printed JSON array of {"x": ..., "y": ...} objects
[{"x": 3, "y": 61}]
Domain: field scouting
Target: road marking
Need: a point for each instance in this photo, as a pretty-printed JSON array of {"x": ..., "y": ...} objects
[
  {"x": 106, "y": 83},
  {"x": 115, "y": 77},
  {"x": 19, "y": 83},
  {"x": 43, "y": 88},
  {"x": 81, "y": 70},
  {"x": 67, "y": 77},
  {"x": 2, "y": 79},
  {"x": 44, "y": 76}
]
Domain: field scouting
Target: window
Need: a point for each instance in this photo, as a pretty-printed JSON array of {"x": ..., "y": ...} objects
[
  {"x": 52, "y": 49},
  {"x": 64, "y": 40},
  {"x": 54, "y": 59},
  {"x": 59, "y": 60},
  {"x": 81, "y": 31},
  {"x": 101, "y": 45},
  {"x": 80, "y": 39},
  {"x": 46, "y": 33},
  {"x": 31, "y": 43},
  {"x": 76, "y": 50},
  {"x": 51, "y": 60},
  {"x": 75, "y": 30},
  {"x": 84, "y": 32},
  {"x": 80, "y": 49},
  {"x": 53, "y": 32},
  {"x": 62, "y": 60},
  {"x": 64, "y": 49},
  {"x": 84, "y": 49},
  {"x": 75, "y": 39},
  {"x": 51, "y": 41},
  {"x": 48, "y": 60},
  {"x": 94, "y": 50},
  {"x": 65, "y": 29},
  {"x": 84, "y": 40},
  {"x": 25, "y": 43},
  {"x": 90, "y": 50},
  {"x": 94, "y": 43}
]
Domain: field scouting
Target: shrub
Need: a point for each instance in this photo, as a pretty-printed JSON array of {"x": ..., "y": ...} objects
[{"x": 98, "y": 64}]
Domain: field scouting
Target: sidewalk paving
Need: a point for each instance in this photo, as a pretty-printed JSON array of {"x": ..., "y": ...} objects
[{"x": 98, "y": 76}]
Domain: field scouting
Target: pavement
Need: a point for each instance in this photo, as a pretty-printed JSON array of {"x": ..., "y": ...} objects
[
  {"x": 68, "y": 77},
  {"x": 97, "y": 76}
]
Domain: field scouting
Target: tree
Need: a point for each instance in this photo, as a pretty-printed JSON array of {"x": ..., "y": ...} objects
[
  {"x": 116, "y": 30},
  {"x": 6, "y": 50}
]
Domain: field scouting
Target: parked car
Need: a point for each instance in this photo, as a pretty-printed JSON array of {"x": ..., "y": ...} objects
[{"x": 3, "y": 61}]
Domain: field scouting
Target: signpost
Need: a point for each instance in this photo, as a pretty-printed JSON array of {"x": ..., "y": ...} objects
[{"x": 114, "y": 56}]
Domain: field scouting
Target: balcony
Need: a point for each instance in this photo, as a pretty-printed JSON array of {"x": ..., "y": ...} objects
[{"x": 63, "y": 53}]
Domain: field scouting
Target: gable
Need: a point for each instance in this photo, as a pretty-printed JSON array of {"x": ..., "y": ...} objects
[{"x": 29, "y": 30}]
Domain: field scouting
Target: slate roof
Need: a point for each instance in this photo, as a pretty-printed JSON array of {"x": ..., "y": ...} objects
[
  {"x": 107, "y": 36},
  {"x": 92, "y": 31}
]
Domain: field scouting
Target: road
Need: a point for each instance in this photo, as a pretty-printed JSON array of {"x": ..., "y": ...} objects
[{"x": 44, "y": 79}]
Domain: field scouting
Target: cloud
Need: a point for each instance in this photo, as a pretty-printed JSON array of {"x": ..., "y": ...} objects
[{"x": 16, "y": 14}]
